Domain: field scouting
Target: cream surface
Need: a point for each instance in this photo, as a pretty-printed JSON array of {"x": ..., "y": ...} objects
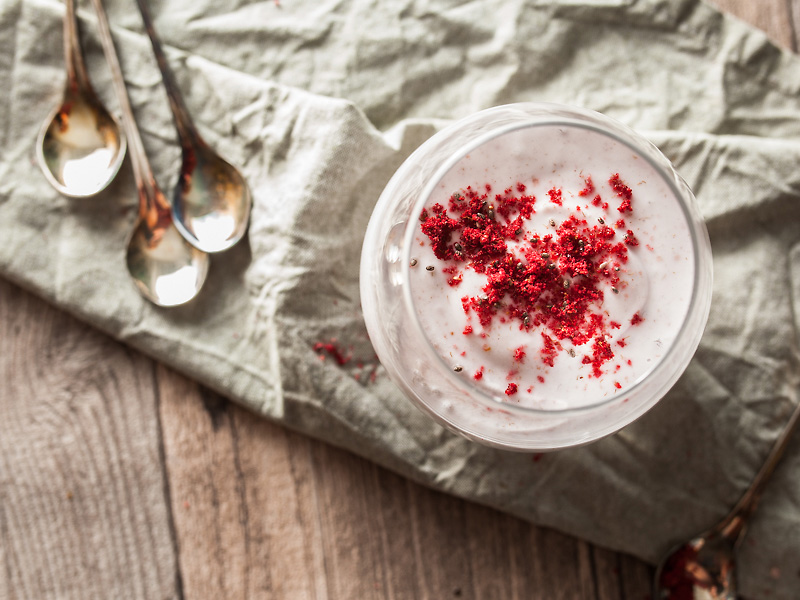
[{"x": 655, "y": 283}]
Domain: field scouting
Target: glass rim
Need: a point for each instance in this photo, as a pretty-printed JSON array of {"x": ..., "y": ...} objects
[{"x": 642, "y": 150}]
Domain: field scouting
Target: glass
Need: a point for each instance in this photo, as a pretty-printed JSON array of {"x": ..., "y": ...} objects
[{"x": 403, "y": 343}]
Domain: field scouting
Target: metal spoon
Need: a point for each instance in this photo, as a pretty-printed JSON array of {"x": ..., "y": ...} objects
[
  {"x": 166, "y": 269},
  {"x": 704, "y": 568},
  {"x": 80, "y": 146},
  {"x": 211, "y": 203}
]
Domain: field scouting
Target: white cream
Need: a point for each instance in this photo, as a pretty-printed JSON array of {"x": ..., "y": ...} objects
[{"x": 656, "y": 282}]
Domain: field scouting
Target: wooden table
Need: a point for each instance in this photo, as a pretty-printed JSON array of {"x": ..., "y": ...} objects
[{"x": 121, "y": 479}]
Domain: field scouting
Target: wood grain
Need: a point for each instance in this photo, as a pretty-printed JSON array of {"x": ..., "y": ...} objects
[
  {"x": 82, "y": 487},
  {"x": 777, "y": 18},
  {"x": 121, "y": 479}
]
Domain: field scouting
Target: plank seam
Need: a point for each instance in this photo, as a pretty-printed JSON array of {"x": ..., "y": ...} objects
[{"x": 162, "y": 457}]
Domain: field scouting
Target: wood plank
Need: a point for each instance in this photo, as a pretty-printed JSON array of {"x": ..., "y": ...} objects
[
  {"x": 242, "y": 496},
  {"x": 83, "y": 511},
  {"x": 777, "y": 18}
]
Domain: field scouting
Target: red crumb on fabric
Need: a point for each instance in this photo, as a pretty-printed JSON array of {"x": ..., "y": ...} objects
[
  {"x": 636, "y": 319},
  {"x": 511, "y": 389},
  {"x": 332, "y": 349},
  {"x": 540, "y": 379},
  {"x": 519, "y": 354},
  {"x": 478, "y": 374},
  {"x": 617, "y": 385}
]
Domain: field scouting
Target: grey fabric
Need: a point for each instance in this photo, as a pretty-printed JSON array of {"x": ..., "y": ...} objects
[{"x": 319, "y": 102}]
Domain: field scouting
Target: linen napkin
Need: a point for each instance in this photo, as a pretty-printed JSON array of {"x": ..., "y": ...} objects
[{"x": 319, "y": 102}]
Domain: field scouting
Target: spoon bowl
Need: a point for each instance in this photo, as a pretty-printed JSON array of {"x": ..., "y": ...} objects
[
  {"x": 80, "y": 146},
  {"x": 165, "y": 268},
  {"x": 211, "y": 204},
  {"x": 700, "y": 569}
]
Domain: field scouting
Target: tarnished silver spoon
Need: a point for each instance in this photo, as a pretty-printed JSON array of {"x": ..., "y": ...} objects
[
  {"x": 704, "y": 568},
  {"x": 81, "y": 146},
  {"x": 166, "y": 269},
  {"x": 211, "y": 203}
]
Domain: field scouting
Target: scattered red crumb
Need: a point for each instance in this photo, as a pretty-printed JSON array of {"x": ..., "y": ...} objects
[
  {"x": 617, "y": 385},
  {"x": 629, "y": 362},
  {"x": 636, "y": 319},
  {"x": 620, "y": 224},
  {"x": 588, "y": 189},
  {"x": 530, "y": 389},
  {"x": 334, "y": 351},
  {"x": 511, "y": 374},
  {"x": 455, "y": 275},
  {"x": 540, "y": 379},
  {"x": 601, "y": 353},
  {"x": 621, "y": 343},
  {"x": 623, "y": 191},
  {"x": 554, "y": 282},
  {"x": 511, "y": 389},
  {"x": 548, "y": 350},
  {"x": 478, "y": 374},
  {"x": 555, "y": 196},
  {"x": 519, "y": 354},
  {"x": 614, "y": 325}
]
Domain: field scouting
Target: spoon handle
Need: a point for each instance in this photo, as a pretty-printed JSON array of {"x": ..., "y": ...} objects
[
  {"x": 151, "y": 202},
  {"x": 734, "y": 524},
  {"x": 187, "y": 132},
  {"x": 77, "y": 75}
]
